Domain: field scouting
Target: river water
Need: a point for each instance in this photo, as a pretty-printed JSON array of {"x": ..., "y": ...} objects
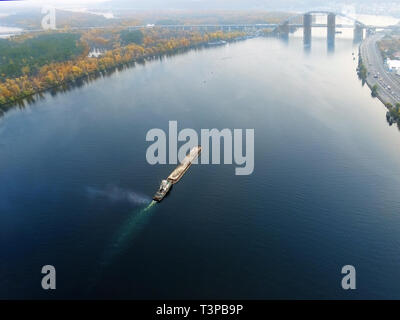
[
  {"x": 75, "y": 185},
  {"x": 6, "y": 32}
]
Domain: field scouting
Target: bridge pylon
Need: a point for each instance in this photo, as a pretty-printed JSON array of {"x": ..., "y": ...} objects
[
  {"x": 283, "y": 31},
  {"x": 331, "y": 28},
  {"x": 307, "y": 25},
  {"x": 358, "y": 33}
]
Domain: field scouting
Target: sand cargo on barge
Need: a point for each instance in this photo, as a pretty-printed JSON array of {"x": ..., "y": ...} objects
[{"x": 177, "y": 174}]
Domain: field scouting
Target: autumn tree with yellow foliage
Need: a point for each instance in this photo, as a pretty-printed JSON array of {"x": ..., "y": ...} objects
[{"x": 154, "y": 42}]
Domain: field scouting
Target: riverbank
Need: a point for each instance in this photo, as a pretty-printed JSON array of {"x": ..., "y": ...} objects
[
  {"x": 383, "y": 85},
  {"x": 15, "y": 91},
  {"x": 368, "y": 83}
]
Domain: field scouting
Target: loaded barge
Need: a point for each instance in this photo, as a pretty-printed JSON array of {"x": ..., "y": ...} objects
[{"x": 177, "y": 174}]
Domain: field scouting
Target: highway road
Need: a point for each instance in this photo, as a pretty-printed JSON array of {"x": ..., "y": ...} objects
[{"x": 388, "y": 82}]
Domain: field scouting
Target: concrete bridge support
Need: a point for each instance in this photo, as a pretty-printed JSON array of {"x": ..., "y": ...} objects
[
  {"x": 284, "y": 31},
  {"x": 307, "y": 25},
  {"x": 331, "y": 22},
  {"x": 358, "y": 33}
]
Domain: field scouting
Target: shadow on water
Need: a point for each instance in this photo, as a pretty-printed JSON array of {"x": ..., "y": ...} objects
[{"x": 331, "y": 45}]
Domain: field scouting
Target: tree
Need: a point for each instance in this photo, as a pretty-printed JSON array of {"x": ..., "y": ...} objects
[
  {"x": 374, "y": 91},
  {"x": 128, "y": 37},
  {"x": 36, "y": 63},
  {"x": 362, "y": 72}
]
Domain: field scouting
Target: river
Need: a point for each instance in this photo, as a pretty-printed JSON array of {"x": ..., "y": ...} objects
[
  {"x": 6, "y": 32},
  {"x": 75, "y": 185}
]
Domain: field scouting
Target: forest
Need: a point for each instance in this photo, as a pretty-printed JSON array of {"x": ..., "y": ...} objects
[
  {"x": 26, "y": 57},
  {"x": 33, "y": 63}
]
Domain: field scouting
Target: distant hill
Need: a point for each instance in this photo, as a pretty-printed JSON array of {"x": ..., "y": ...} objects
[{"x": 31, "y": 19}]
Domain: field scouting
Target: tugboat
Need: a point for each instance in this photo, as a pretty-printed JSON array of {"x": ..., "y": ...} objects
[
  {"x": 177, "y": 174},
  {"x": 165, "y": 186}
]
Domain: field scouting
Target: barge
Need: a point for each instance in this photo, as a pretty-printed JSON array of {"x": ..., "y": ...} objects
[{"x": 177, "y": 174}]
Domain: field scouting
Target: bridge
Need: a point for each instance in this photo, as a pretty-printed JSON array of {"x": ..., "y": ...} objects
[
  {"x": 304, "y": 21},
  {"x": 307, "y": 24},
  {"x": 281, "y": 29}
]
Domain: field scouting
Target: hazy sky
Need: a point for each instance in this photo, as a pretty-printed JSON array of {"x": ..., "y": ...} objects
[{"x": 205, "y": 4}]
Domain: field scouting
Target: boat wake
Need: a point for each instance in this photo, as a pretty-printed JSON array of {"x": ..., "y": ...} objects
[
  {"x": 150, "y": 205},
  {"x": 128, "y": 231}
]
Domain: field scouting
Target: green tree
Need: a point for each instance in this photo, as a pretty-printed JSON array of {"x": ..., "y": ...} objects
[
  {"x": 388, "y": 105},
  {"x": 128, "y": 37},
  {"x": 362, "y": 72},
  {"x": 374, "y": 91}
]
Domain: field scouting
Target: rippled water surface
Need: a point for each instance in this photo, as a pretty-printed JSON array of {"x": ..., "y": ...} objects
[{"x": 76, "y": 188}]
